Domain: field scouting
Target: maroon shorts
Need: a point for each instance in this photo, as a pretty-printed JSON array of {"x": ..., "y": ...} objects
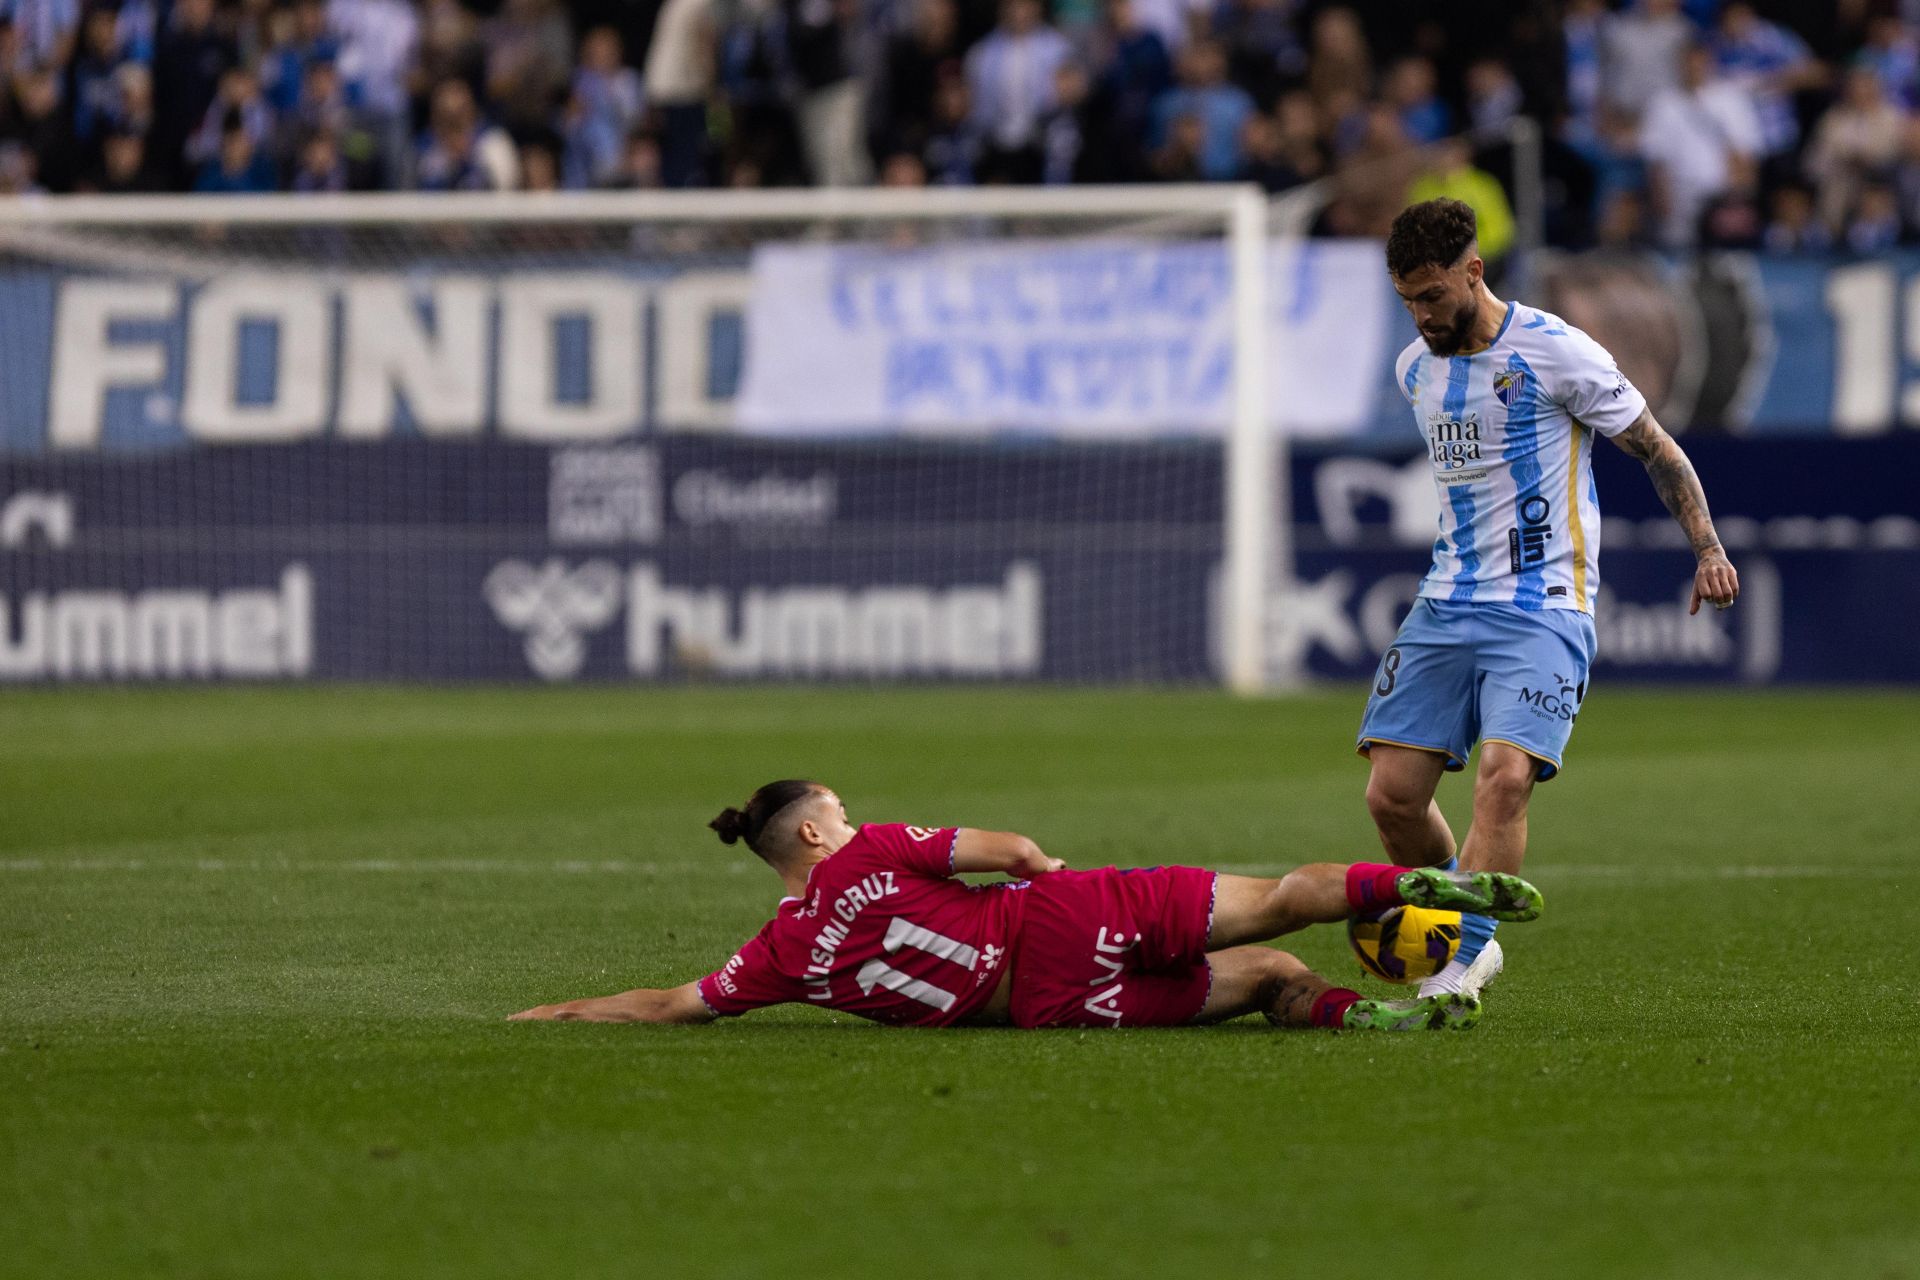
[{"x": 1113, "y": 948}]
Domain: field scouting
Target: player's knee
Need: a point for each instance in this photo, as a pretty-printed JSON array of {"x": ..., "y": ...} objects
[
  {"x": 1395, "y": 806},
  {"x": 1504, "y": 787}
]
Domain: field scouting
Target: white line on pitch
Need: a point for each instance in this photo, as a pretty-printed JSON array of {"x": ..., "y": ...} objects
[{"x": 621, "y": 866}]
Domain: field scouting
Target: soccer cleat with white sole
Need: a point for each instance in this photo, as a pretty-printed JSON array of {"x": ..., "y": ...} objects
[
  {"x": 1449, "y": 1012},
  {"x": 1494, "y": 894},
  {"x": 1485, "y": 968}
]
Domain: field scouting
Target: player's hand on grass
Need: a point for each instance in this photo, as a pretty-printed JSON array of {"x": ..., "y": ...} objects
[
  {"x": 543, "y": 1013},
  {"x": 1714, "y": 581}
]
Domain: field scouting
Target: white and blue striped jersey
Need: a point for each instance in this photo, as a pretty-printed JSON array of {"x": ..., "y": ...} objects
[{"x": 1510, "y": 435}]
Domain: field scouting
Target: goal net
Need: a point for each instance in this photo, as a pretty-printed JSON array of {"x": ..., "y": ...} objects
[{"x": 979, "y": 435}]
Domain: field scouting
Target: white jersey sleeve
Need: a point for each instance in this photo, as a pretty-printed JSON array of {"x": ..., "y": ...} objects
[
  {"x": 1402, "y": 366},
  {"x": 1584, "y": 379}
]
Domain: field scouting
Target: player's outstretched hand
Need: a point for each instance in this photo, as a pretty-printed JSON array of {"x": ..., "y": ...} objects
[
  {"x": 1715, "y": 582},
  {"x": 541, "y": 1013}
]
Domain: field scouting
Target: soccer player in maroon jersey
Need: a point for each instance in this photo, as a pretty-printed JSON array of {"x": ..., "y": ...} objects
[{"x": 876, "y": 924}]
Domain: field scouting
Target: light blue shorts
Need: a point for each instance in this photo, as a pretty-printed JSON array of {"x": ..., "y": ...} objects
[{"x": 1464, "y": 673}]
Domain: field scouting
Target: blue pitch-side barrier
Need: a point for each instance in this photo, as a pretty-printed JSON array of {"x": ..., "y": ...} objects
[{"x": 696, "y": 558}]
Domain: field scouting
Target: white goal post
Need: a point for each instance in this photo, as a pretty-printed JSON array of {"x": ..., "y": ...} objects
[{"x": 111, "y": 235}]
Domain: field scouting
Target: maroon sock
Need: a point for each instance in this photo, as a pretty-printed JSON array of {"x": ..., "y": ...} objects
[
  {"x": 1371, "y": 886},
  {"x": 1331, "y": 1005}
]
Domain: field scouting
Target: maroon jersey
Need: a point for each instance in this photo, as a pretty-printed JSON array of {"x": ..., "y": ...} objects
[{"x": 884, "y": 931}]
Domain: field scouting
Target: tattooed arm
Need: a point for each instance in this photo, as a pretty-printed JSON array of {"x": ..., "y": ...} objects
[{"x": 1674, "y": 480}]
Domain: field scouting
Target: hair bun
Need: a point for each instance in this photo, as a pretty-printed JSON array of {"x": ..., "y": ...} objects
[{"x": 731, "y": 824}]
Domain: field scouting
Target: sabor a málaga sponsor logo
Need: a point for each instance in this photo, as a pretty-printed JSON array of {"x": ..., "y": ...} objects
[{"x": 988, "y": 629}]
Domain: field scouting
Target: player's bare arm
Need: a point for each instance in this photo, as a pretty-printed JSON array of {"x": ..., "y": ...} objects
[
  {"x": 1003, "y": 852},
  {"x": 1678, "y": 485},
  {"x": 681, "y": 1004}
]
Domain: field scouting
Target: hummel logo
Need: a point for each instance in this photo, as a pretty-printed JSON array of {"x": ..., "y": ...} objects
[{"x": 553, "y": 605}]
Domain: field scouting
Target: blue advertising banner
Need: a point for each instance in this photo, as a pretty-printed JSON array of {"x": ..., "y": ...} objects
[
  {"x": 715, "y": 558},
  {"x": 1104, "y": 341}
]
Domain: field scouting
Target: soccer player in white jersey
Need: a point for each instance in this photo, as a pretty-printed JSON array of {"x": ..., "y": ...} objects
[{"x": 1498, "y": 644}]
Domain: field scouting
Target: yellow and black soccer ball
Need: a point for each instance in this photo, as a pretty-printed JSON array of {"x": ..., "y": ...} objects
[{"x": 1405, "y": 944}]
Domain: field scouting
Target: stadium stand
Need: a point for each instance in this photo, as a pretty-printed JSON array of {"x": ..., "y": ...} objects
[{"x": 1668, "y": 123}]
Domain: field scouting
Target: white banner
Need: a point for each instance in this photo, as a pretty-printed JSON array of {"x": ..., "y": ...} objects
[{"x": 1106, "y": 339}]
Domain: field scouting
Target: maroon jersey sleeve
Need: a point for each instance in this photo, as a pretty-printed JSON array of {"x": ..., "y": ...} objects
[
  {"x": 751, "y": 980},
  {"x": 926, "y": 851}
]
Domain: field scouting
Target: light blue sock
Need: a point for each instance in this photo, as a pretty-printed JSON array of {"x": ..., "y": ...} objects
[{"x": 1475, "y": 931}]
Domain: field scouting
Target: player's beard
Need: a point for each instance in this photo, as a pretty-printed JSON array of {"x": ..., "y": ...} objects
[{"x": 1454, "y": 340}]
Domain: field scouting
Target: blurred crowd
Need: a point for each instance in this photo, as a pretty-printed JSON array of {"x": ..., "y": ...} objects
[{"x": 1739, "y": 123}]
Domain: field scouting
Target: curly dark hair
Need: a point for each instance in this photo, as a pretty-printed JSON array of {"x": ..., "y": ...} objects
[{"x": 1433, "y": 233}]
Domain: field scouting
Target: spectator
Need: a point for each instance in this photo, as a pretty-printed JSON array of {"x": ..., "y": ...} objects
[
  {"x": 903, "y": 169},
  {"x": 1860, "y": 135},
  {"x": 1641, "y": 52},
  {"x": 132, "y": 109},
  {"x": 1694, "y": 137},
  {"x": 1264, "y": 156},
  {"x": 1178, "y": 158},
  {"x": 1493, "y": 100},
  {"x": 680, "y": 78},
  {"x": 41, "y": 126},
  {"x": 1011, "y": 79},
  {"x": 238, "y": 168},
  {"x": 300, "y": 40},
  {"x": 1623, "y": 223},
  {"x": 1174, "y": 21},
  {"x": 953, "y": 150},
  {"x": 1340, "y": 62},
  {"x": 1874, "y": 225},
  {"x": 611, "y": 90},
  {"x": 591, "y": 142},
  {"x": 378, "y": 40},
  {"x": 461, "y": 152},
  {"x": 640, "y": 166},
  {"x": 824, "y": 48},
  {"x": 321, "y": 167},
  {"x": 1222, "y": 109},
  {"x": 19, "y": 170},
  {"x": 540, "y": 164},
  {"x": 1134, "y": 71},
  {"x": 1907, "y": 175},
  {"x": 1453, "y": 174},
  {"x": 449, "y": 46},
  {"x": 1374, "y": 178},
  {"x": 529, "y": 52},
  {"x": 756, "y": 83},
  {"x": 1794, "y": 225},
  {"x": 915, "y": 61},
  {"x": 1298, "y": 125},
  {"x": 1772, "y": 64},
  {"x": 121, "y": 169},
  {"x": 1262, "y": 40},
  {"x": 1060, "y": 137},
  {"x": 1412, "y": 90},
  {"x": 188, "y": 60},
  {"x": 46, "y": 29},
  {"x": 1732, "y": 219},
  {"x": 1581, "y": 28},
  {"x": 1893, "y": 51},
  {"x": 238, "y": 103},
  {"x": 91, "y": 88}
]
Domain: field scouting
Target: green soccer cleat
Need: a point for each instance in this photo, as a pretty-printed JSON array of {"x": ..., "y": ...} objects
[
  {"x": 1481, "y": 893},
  {"x": 1452, "y": 1012}
]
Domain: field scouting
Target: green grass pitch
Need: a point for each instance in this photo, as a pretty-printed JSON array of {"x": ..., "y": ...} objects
[{"x": 255, "y": 948}]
